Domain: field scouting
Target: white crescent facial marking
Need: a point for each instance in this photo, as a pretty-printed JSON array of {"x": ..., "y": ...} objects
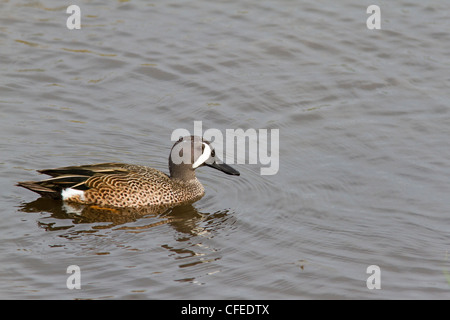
[
  {"x": 205, "y": 156},
  {"x": 69, "y": 193}
]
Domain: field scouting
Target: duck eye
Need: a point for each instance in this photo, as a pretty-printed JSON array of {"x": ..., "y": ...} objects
[{"x": 213, "y": 153}]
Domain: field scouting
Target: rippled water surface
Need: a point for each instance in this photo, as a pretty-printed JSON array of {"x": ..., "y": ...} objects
[{"x": 364, "y": 149}]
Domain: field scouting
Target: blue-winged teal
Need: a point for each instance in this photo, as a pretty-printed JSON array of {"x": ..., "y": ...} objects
[{"x": 125, "y": 185}]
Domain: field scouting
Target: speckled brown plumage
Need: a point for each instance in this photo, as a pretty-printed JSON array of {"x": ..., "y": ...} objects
[
  {"x": 140, "y": 186},
  {"x": 120, "y": 185},
  {"x": 125, "y": 185}
]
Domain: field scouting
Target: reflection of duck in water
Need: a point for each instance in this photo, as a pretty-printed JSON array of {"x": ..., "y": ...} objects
[
  {"x": 185, "y": 218},
  {"x": 125, "y": 185}
]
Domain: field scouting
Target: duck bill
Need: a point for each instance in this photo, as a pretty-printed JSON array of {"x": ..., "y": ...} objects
[{"x": 224, "y": 168}]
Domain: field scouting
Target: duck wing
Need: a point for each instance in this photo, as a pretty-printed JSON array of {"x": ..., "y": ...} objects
[{"x": 75, "y": 177}]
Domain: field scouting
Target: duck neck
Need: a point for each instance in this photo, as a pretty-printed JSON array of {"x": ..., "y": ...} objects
[{"x": 183, "y": 172}]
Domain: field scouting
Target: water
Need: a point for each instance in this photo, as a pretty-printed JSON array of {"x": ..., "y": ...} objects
[{"x": 364, "y": 147}]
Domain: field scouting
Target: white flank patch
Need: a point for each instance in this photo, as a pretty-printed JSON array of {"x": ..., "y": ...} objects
[
  {"x": 205, "y": 156},
  {"x": 69, "y": 193}
]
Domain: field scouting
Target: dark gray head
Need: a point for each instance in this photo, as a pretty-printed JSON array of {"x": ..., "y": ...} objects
[{"x": 192, "y": 152}]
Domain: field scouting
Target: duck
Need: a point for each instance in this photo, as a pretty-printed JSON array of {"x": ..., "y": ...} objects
[{"x": 123, "y": 185}]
